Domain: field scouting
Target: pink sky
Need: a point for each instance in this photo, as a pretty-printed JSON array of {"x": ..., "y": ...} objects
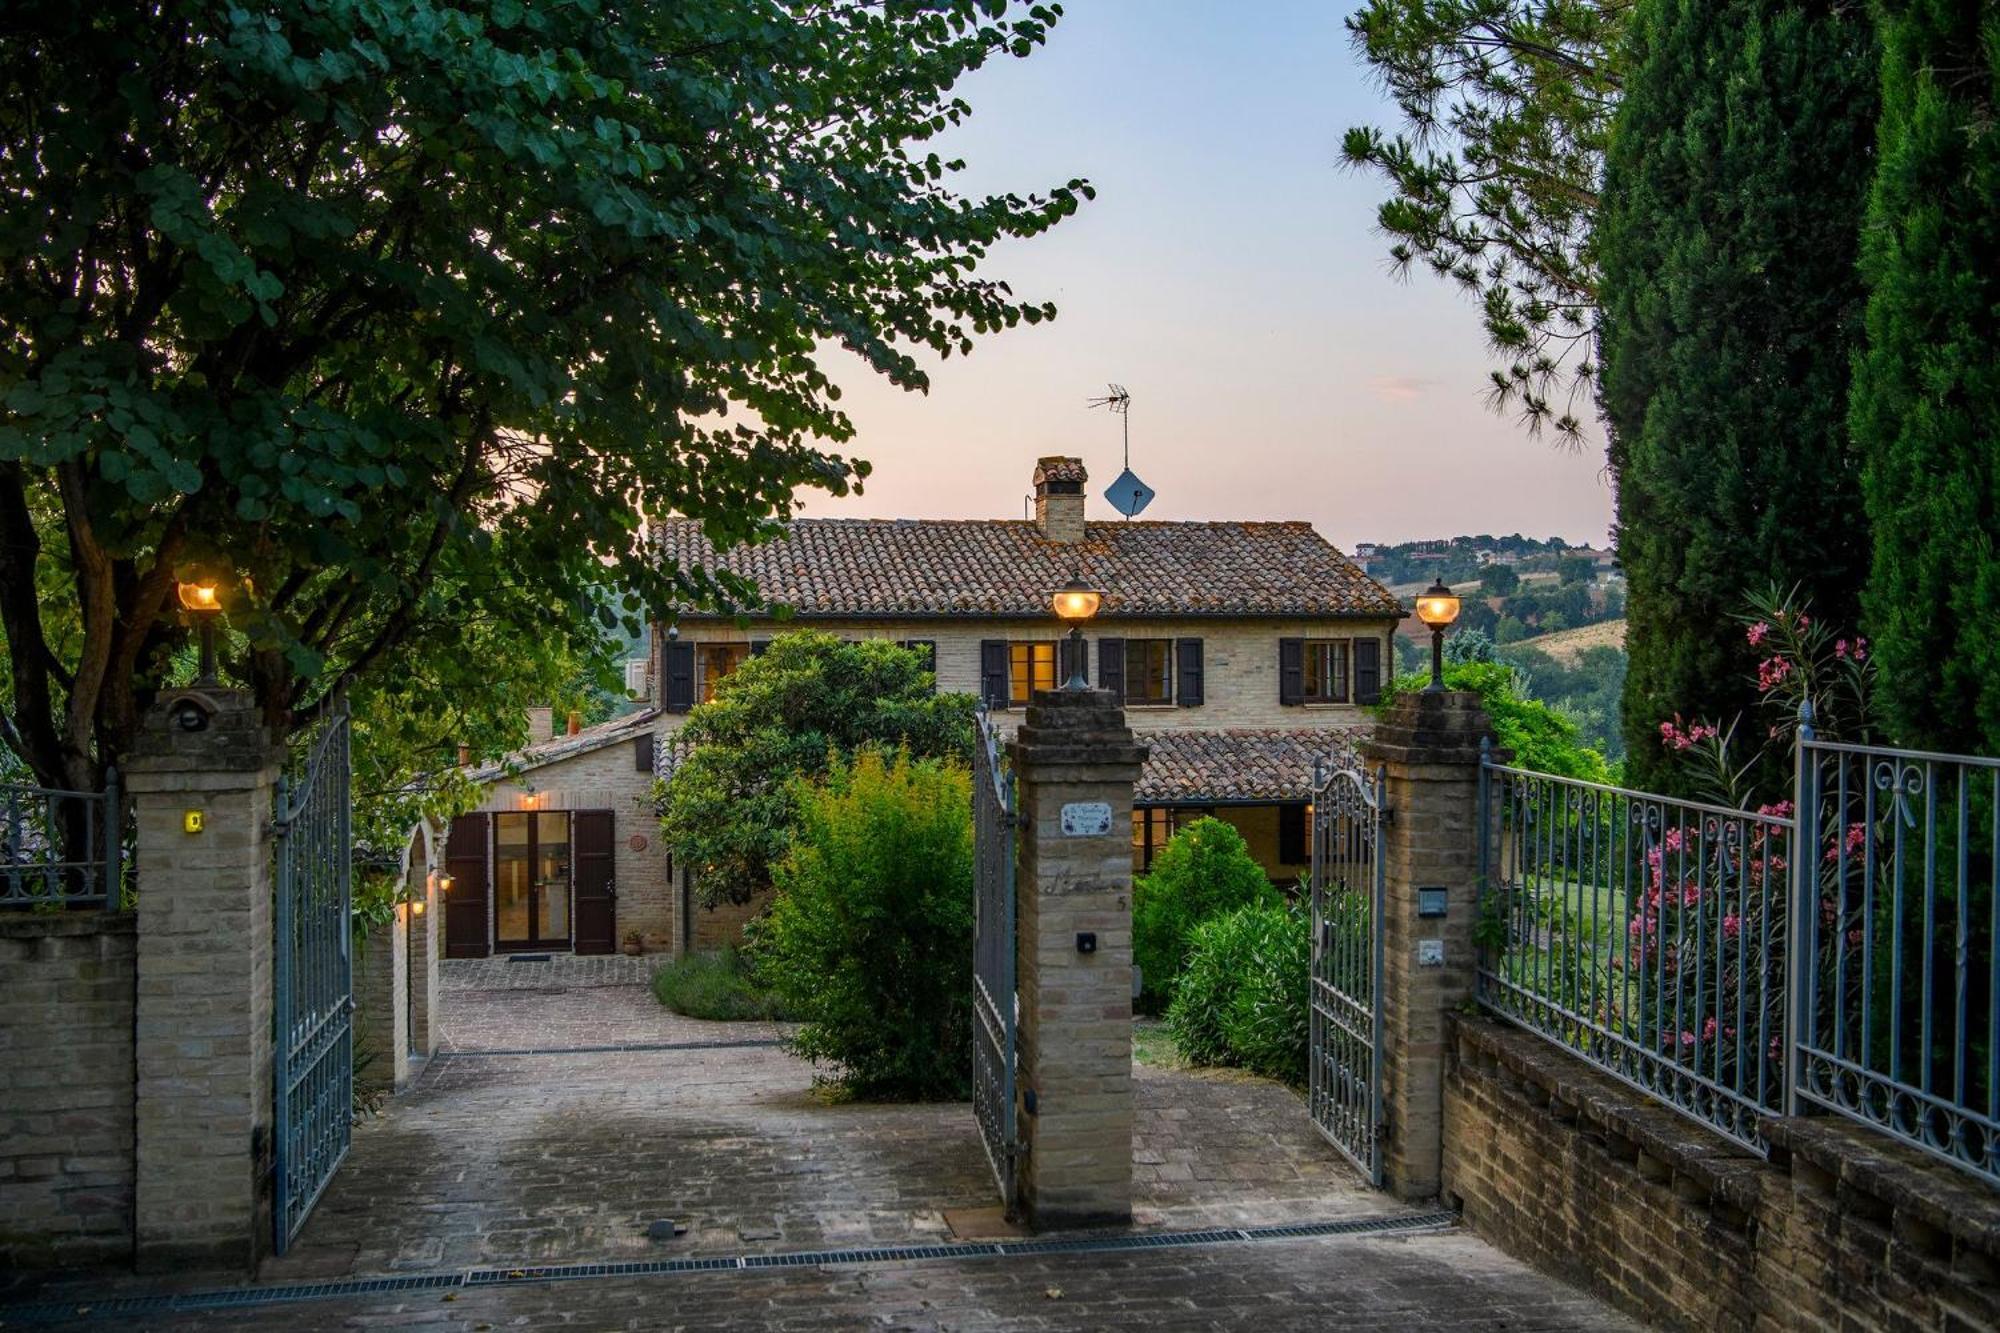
[{"x": 1230, "y": 276}]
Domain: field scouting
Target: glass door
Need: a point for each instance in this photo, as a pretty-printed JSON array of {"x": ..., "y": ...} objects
[{"x": 531, "y": 862}]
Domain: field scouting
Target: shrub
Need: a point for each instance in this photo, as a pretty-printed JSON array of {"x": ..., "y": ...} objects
[
  {"x": 1204, "y": 871},
  {"x": 869, "y": 940},
  {"x": 717, "y": 985},
  {"x": 1244, "y": 995}
]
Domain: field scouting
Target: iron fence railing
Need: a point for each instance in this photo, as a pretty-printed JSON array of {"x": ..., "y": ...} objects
[
  {"x": 1645, "y": 934},
  {"x": 994, "y": 1009},
  {"x": 1898, "y": 986},
  {"x": 61, "y": 848}
]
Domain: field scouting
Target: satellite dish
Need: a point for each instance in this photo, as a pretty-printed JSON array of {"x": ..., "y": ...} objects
[{"x": 1128, "y": 495}]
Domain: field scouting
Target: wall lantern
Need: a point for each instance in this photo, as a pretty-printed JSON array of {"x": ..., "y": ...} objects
[
  {"x": 202, "y": 600},
  {"x": 1437, "y": 607},
  {"x": 1074, "y": 603}
]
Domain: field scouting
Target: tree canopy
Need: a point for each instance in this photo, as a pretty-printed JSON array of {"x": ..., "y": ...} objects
[
  {"x": 397, "y": 315},
  {"x": 808, "y": 700}
]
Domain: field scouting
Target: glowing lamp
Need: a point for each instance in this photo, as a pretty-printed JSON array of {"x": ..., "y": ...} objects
[
  {"x": 1437, "y": 607},
  {"x": 1074, "y": 603}
]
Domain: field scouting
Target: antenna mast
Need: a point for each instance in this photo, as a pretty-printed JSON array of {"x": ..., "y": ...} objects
[{"x": 1128, "y": 495}]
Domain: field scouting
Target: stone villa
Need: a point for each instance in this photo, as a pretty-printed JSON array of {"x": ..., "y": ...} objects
[{"x": 1242, "y": 651}]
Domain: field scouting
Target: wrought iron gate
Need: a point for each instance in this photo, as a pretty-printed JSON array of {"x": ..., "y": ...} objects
[
  {"x": 1347, "y": 913},
  {"x": 993, "y": 1008},
  {"x": 314, "y": 978}
]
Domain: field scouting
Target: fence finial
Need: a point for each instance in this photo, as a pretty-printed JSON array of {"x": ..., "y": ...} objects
[{"x": 1805, "y": 719}]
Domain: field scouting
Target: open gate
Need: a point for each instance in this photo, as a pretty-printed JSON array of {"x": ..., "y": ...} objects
[
  {"x": 1347, "y": 914},
  {"x": 993, "y": 1007},
  {"x": 313, "y": 977}
]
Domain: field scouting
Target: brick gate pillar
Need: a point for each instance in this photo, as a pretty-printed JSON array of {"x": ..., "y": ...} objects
[
  {"x": 202, "y": 777},
  {"x": 1074, "y": 763},
  {"x": 1428, "y": 746}
]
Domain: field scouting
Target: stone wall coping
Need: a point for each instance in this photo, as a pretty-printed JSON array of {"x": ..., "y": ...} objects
[
  {"x": 1445, "y": 727},
  {"x": 1933, "y": 1192},
  {"x": 45, "y": 925}
]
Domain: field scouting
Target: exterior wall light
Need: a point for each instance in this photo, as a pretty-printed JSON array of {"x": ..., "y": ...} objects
[
  {"x": 1437, "y": 607},
  {"x": 202, "y": 600},
  {"x": 1074, "y": 603}
]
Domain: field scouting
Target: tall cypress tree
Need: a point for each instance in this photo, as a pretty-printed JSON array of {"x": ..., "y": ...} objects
[
  {"x": 1734, "y": 187},
  {"x": 1926, "y": 402}
]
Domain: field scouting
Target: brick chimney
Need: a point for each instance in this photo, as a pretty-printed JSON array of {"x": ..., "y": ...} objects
[
  {"x": 541, "y": 724},
  {"x": 1059, "y": 498}
]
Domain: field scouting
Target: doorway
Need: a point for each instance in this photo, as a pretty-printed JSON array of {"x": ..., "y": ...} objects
[{"x": 531, "y": 880}]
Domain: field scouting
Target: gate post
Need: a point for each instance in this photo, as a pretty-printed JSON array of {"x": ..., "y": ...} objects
[
  {"x": 1428, "y": 747},
  {"x": 201, "y": 775},
  {"x": 1075, "y": 763}
]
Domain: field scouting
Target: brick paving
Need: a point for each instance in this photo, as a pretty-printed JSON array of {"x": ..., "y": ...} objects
[{"x": 495, "y": 1159}]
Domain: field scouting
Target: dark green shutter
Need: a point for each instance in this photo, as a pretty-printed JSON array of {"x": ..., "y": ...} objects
[
  {"x": 1291, "y": 671},
  {"x": 758, "y": 647},
  {"x": 1111, "y": 667},
  {"x": 1368, "y": 671},
  {"x": 678, "y": 660},
  {"x": 1187, "y": 672},
  {"x": 642, "y": 753},
  {"x": 993, "y": 672}
]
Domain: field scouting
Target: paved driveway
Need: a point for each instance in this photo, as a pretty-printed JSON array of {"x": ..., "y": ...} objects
[{"x": 570, "y": 1120}]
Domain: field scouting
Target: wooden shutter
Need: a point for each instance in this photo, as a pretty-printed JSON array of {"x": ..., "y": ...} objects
[
  {"x": 465, "y": 901},
  {"x": 993, "y": 672},
  {"x": 758, "y": 647},
  {"x": 1291, "y": 671},
  {"x": 1368, "y": 671},
  {"x": 1111, "y": 667},
  {"x": 1292, "y": 835},
  {"x": 1187, "y": 672},
  {"x": 678, "y": 661},
  {"x": 642, "y": 753}
]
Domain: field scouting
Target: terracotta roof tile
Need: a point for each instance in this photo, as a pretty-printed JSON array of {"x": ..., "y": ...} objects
[
  {"x": 1059, "y": 468},
  {"x": 1191, "y": 767},
  {"x": 565, "y": 746},
  {"x": 1005, "y": 567}
]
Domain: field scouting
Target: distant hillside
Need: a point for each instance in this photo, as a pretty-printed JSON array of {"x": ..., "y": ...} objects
[{"x": 1567, "y": 645}]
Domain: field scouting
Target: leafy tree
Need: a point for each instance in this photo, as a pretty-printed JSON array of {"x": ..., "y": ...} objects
[
  {"x": 1204, "y": 870},
  {"x": 1468, "y": 645},
  {"x": 1576, "y": 569},
  {"x": 1926, "y": 398},
  {"x": 1540, "y": 737},
  {"x": 1495, "y": 182},
  {"x": 1728, "y": 237},
  {"x": 869, "y": 940},
  {"x": 1499, "y": 580},
  {"x": 400, "y": 315},
  {"x": 808, "y": 702}
]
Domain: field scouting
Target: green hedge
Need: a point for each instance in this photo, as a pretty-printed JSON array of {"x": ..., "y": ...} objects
[{"x": 1243, "y": 997}]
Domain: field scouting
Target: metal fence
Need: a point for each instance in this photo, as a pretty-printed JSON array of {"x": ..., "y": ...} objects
[
  {"x": 61, "y": 848},
  {"x": 993, "y": 1001},
  {"x": 1835, "y": 952},
  {"x": 1645, "y": 934},
  {"x": 1899, "y": 983}
]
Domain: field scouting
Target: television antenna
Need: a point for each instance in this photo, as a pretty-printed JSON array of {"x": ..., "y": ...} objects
[{"x": 1128, "y": 495}]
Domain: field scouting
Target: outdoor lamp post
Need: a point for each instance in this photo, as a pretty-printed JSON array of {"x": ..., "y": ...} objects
[
  {"x": 202, "y": 600},
  {"x": 1437, "y": 607},
  {"x": 1076, "y": 602}
]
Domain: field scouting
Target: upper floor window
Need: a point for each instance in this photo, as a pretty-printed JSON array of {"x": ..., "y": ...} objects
[
  {"x": 1149, "y": 671},
  {"x": 713, "y": 661},
  {"x": 1327, "y": 664},
  {"x": 1030, "y": 667}
]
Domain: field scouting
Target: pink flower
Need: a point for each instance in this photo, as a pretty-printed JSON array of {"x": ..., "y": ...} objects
[
  {"x": 1732, "y": 926},
  {"x": 1804, "y": 620},
  {"x": 1860, "y": 650},
  {"x": 1672, "y": 841},
  {"x": 1690, "y": 895},
  {"x": 1776, "y": 809},
  {"x": 1757, "y": 633},
  {"x": 1840, "y": 648},
  {"x": 1708, "y": 1030},
  {"x": 1771, "y": 672},
  {"x": 1687, "y": 1038}
]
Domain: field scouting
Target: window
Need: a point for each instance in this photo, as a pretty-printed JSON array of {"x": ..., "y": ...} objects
[
  {"x": 1153, "y": 827},
  {"x": 1030, "y": 667},
  {"x": 713, "y": 661},
  {"x": 1149, "y": 671},
  {"x": 1326, "y": 667}
]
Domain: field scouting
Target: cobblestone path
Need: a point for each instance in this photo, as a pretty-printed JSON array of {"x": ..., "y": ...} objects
[{"x": 569, "y": 1113}]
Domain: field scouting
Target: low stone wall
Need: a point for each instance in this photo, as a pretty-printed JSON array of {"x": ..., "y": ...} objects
[
  {"x": 67, "y": 990},
  {"x": 1586, "y": 1178}
]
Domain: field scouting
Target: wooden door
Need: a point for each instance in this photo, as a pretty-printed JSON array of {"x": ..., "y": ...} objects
[
  {"x": 591, "y": 834},
  {"x": 465, "y": 934}
]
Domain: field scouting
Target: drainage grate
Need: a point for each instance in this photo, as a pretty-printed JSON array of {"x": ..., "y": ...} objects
[{"x": 47, "y": 1312}]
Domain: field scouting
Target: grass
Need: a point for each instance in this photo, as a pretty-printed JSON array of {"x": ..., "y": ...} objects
[
  {"x": 716, "y": 986},
  {"x": 1153, "y": 1045}
]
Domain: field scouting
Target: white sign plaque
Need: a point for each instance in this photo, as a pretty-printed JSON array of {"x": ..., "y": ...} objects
[{"x": 1086, "y": 819}]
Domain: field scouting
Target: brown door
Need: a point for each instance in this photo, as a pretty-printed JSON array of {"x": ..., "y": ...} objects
[
  {"x": 465, "y": 901},
  {"x": 596, "y": 896}
]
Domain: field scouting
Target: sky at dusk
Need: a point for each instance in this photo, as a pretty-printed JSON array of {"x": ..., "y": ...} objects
[{"x": 1229, "y": 274}]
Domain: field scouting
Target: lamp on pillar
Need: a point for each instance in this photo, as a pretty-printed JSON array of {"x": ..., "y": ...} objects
[
  {"x": 1437, "y": 607},
  {"x": 202, "y": 600},
  {"x": 1076, "y": 602}
]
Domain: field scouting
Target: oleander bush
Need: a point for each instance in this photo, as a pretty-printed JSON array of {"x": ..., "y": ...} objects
[
  {"x": 1205, "y": 871},
  {"x": 1243, "y": 997}
]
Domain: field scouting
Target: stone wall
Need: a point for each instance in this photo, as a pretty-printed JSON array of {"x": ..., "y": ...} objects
[
  {"x": 1588, "y": 1179},
  {"x": 382, "y": 1007},
  {"x": 66, "y": 1088},
  {"x": 722, "y": 925}
]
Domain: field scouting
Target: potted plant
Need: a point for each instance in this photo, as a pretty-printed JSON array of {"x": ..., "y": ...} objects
[{"x": 634, "y": 944}]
